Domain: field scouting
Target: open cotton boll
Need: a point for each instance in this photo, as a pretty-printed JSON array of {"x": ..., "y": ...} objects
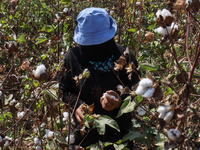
[
  {"x": 13, "y": 102},
  {"x": 65, "y": 10},
  {"x": 6, "y": 143},
  {"x": 36, "y": 140},
  {"x": 138, "y": 3},
  {"x": 163, "y": 109},
  {"x": 38, "y": 147},
  {"x": 40, "y": 69},
  {"x": 20, "y": 114},
  {"x": 149, "y": 92},
  {"x": 71, "y": 140},
  {"x": 168, "y": 116},
  {"x": 161, "y": 30},
  {"x": 141, "y": 90},
  {"x": 141, "y": 111},
  {"x": 175, "y": 26},
  {"x": 49, "y": 133},
  {"x": 173, "y": 134},
  {"x": 146, "y": 82},
  {"x": 66, "y": 114},
  {"x": 165, "y": 13},
  {"x": 8, "y": 138},
  {"x": 158, "y": 13}
]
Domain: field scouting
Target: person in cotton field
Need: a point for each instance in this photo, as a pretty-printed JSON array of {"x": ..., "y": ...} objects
[{"x": 97, "y": 51}]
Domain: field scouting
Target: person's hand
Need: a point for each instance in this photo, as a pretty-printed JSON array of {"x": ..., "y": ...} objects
[
  {"x": 110, "y": 100},
  {"x": 79, "y": 114}
]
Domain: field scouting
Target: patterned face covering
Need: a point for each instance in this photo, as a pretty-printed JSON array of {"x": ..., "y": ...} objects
[{"x": 105, "y": 66}]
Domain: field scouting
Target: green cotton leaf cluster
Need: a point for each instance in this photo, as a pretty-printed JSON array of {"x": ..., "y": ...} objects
[
  {"x": 132, "y": 135},
  {"x": 59, "y": 138},
  {"x": 47, "y": 28},
  {"x": 22, "y": 39},
  {"x": 127, "y": 106},
  {"x": 104, "y": 120}
]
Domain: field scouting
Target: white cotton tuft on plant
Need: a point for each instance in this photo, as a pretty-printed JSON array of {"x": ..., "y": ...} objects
[
  {"x": 8, "y": 138},
  {"x": 149, "y": 92},
  {"x": 57, "y": 16},
  {"x": 173, "y": 134},
  {"x": 168, "y": 116},
  {"x": 6, "y": 143},
  {"x": 158, "y": 13},
  {"x": 104, "y": 94},
  {"x": 20, "y": 114},
  {"x": 138, "y": 3},
  {"x": 62, "y": 53},
  {"x": 65, "y": 116},
  {"x": 71, "y": 139},
  {"x": 165, "y": 13},
  {"x": 65, "y": 10},
  {"x": 1, "y": 139},
  {"x": 37, "y": 141},
  {"x": 49, "y": 133},
  {"x": 38, "y": 147},
  {"x": 188, "y": 2},
  {"x": 163, "y": 109},
  {"x": 141, "y": 90},
  {"x": 175, "y": 26},
  {"x": 146, "y": 82},
  {"x": 13, "y": 102},
  {"x": 1, "y": 93},
  {"x": 165, "y": 31},
  {"x": 141, "y": 111},
  {"x": 40, "y": 69}
]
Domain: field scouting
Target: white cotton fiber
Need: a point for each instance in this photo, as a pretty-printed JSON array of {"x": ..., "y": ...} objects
[
  {"x": 146, "y": 82},
  {"x": 20, "y": 114},
  {"x": 49, "y": 133},
  {"x": 165, "y": 13},
  {"x": 188, "y": 2},
  {"x": 158, "y": 13},
  {"x": 173, "y": 134},
  {"x": 140, "y": 90},
  {"x": 40, "y": 69},
  {"x": 72, "y": 139},
  {"x": 38, "y": 147},
  {"x": 168, "y": 116},
  {"x": 141, "y": 111},
  {"x": 149, "y": 92}
]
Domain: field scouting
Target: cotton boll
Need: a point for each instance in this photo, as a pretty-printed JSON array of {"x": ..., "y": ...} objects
[
  {"x": 57, "y": 16},
  {"x": 65, "y": 10},
  {"x": 13, "y": 102},
  {"x": 161, "y": 115},
  {"x": 66, "y": 114},
  {"x": 149, "y": 92},
  {"x": 8, "y": 138},
  {"x": 49, "y": 133},
  {"x": 38, "y": 147},
  {"x": 173, "y": 134},
  {"x": 40, "y": 69},
  {"x": 146, "y": 82},
  {"x": 161, "y": 30},
  {"x": 20, "y": 114},
  {"x": 175, "y": 26},
  {"x": 1, "y": 93},
  {"x": 138, "y": 3},
  {"x": 36, "y": 141},
  {"x": 188, "y": 2},
  {"x": 141, "y": 90},
  {"x": 158, "y": 13},
  {"x": 72, "y": 139},
  {"x": 141, "y": 111},
  {"x": 165, "y": 13},
  {"x": 168, "y": 116},
  {"x": 6, "y": 143},
  {"x": 163, "y": 109}
]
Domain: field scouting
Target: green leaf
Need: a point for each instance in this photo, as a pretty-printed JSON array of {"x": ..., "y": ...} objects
[
  {"x": 132, "y": 30},
  {"x": 160, "y": 145},
  {"x": 40, "y": 39},
  {"x": 22, "y": 39},
  {"x": 132, "y": 135},
  {"x": 46, "y": 7},
  {"x": 147, "y": 67},
  {"x": 47, "y": 28},
  {"x": 50, "y": 92},
  {"x": 119, "y": 147},
  {"x": 88, "y": 119},
  {"x": 65, "y": 2},
  {"x": 101, "y": 122},
  {"x": 1, "y": 118},
  {"x": 126, "y": 107},
  {"x": 139, "y": 98},
  {"x": 59, "y": 138},
  {"x": 51, "y": 145}
]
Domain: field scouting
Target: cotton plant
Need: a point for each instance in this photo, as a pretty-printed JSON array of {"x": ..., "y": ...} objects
[
  {"x": 166, "y": 113},
  {"x": 166, "y": 31},
  {"x": 145, "y": 88},
  {"x": 164, "y": 13}
]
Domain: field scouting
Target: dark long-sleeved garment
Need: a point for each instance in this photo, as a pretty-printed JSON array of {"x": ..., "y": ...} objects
[{"x": 77, "y": 59}]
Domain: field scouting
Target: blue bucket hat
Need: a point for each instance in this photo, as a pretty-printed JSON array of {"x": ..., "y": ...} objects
[{"x": 95, "y": 26}]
